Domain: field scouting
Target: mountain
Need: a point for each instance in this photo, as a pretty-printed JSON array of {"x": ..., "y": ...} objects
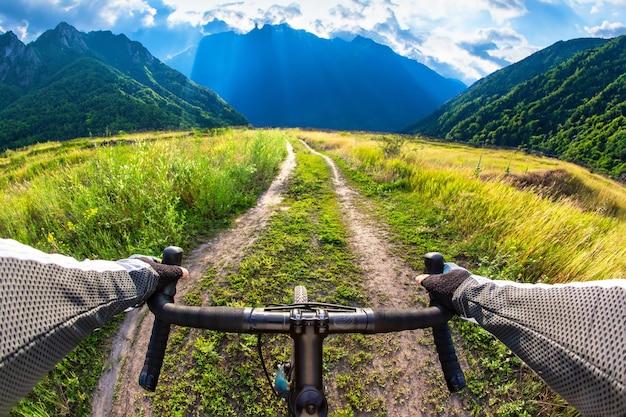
[
  {"x": 500, "y": 83},
  {"x": 282, "y": 77},
  {"x": 70, "y": 84},
  {"x": 568, "y": 100}
]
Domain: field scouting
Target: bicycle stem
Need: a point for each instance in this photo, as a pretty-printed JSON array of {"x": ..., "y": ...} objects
[{"x": 308, "y": 331}]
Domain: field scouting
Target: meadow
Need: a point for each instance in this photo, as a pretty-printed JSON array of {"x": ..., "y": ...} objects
[
  {"x": 511, "y": 214},
  {"x": 503, "y": 214},
  {"x": 110, "y": 198},
  {"x": 133, "y": 194}
]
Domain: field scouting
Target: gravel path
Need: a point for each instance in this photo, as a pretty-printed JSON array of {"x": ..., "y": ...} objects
[
  {"x": 388, "y": 279},
  {"x": 119, "y": 393}
]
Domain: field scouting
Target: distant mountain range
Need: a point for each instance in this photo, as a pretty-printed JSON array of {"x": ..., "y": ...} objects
[
  {"x": 70, "y": 84},
  {"x": 568, "y": 100},
  {"x": 279, "y": 76}
]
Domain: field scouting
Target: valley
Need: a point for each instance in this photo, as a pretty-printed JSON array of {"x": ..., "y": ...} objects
[
  {"x": 353, "y": 229},
  {"x": 280, "y": 163}
]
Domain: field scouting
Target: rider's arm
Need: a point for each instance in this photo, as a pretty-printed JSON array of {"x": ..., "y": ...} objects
[
  {"x": 49, "y": 303},
  {"x": 573, "y": 336}
]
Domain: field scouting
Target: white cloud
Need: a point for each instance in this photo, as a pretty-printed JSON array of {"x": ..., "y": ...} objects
[
  {"x": 607, "y": 29},
  {"x": 473, "y": 55},
  {"x": 465, "y": 38},
  {"x": 502, "y": 10},
  {"x": 20, "y": 30},
  {"x": 603, "y": 7},
  {"x": 29, "y": 18},
  {"x": 277, "y": 14},
  {"x": 438, "y": 48},
  {"x": 115, "y": 11}
]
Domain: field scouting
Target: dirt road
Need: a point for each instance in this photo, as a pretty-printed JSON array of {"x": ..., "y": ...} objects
[
  {"x": 390, "y": 283},
  {"x": 118, "y": 392},
  {"x": 388, "y": 279}
]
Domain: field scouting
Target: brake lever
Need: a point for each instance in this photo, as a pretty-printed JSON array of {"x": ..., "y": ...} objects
[
  {"x": 452, "y": 372},
  {"x": 149, "y": 377}
]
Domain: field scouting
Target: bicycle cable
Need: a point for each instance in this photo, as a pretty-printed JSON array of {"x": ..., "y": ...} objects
[{"x": 267, "y": 375}]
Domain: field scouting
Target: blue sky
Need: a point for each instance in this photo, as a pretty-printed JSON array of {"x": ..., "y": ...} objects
[{"x": 465, "y": 39}]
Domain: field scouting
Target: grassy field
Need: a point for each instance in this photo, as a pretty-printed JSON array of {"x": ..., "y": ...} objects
[
  {"x": 111, "y": 198},
  {"x": 503, "y": 214},
  {"x": 507, "y": 213}
]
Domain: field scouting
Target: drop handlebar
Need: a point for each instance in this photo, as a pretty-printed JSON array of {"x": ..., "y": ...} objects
[{"x": 307, "y": 323}]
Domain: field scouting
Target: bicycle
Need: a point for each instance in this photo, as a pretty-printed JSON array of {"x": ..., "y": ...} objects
[{"x": 300, "y": 382}]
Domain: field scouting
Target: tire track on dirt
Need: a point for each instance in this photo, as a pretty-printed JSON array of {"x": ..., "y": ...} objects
[
  {"x": 390, "y": 283},
  {"x": 118, "y": 392}
]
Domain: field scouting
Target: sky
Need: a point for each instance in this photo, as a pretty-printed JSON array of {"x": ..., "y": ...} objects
[{"x": 463, "y": 39}]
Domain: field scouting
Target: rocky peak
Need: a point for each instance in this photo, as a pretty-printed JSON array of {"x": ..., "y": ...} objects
[
  {"x": 63, "y": 37},
  {"x": 17, "y": 60},
  {"x": 10, "y": 44},
  {"x": 114, "y": 48},
  {"x": 22, "y": 65}
]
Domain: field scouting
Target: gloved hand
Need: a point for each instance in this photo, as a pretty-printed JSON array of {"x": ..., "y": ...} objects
[
  {"x": 442, "y": 286},
  {"x": 167, "y": 273}
]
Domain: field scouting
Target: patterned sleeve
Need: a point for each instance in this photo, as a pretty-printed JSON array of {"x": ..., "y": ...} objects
[
  {"x": 49, "y": 303},
  {"x": 572, "y": 335}
]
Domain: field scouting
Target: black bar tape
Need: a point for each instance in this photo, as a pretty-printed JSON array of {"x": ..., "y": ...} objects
[
  {"x": 149, "y": 377},
  {"x": 223, "y": 319},
  {"x": 455, "y": 380},
  {"x": 394, "y": 320},
  {"x": 434, "y": 263}
]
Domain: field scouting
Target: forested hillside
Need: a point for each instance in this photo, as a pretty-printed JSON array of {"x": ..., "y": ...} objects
[
  {"x": 574, "y": 109},
  {"x": 70, "y": 84}
]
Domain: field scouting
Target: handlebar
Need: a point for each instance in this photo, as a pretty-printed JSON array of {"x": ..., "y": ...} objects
[
  {"x": 455, "y": 380},
  {"x": 336, "y": 319},
  {"x": 308, "y": 324},
  {"x": 149, "y": 376}
]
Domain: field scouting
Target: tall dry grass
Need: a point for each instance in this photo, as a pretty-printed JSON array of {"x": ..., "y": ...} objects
[{"x": 528, "y": 233}]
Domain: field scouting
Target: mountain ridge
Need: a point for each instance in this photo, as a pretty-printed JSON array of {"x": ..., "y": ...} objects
[
  {"x": 55, "y": 88},
  {"x": 575, "y": 109},
  {"x": 505, "y": 79},
  {"x": 282, "y": 77}
]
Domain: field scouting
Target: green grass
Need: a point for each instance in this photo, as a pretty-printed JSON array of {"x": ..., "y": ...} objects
[
  {"x": 492, "y": 211},
  {"x": 303, "y": 245},
  {"x": 461, "y": 201},
  {"x": 95, "y": 199},
  {"x": 137, "y": 196}
]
